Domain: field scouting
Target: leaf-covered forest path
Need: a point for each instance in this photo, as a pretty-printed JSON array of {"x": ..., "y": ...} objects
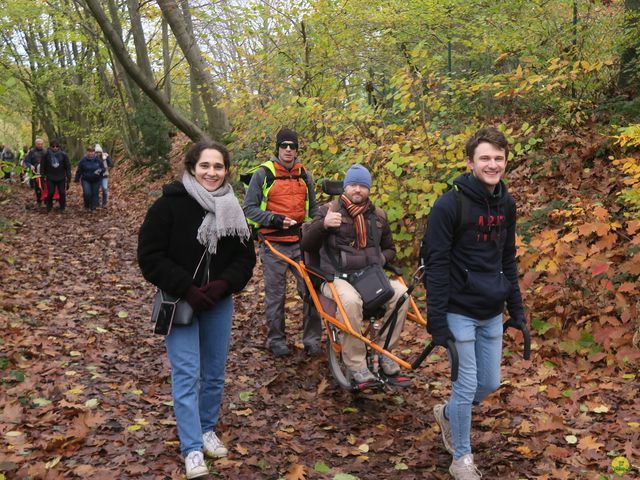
[{"x": 85, "y": 394}]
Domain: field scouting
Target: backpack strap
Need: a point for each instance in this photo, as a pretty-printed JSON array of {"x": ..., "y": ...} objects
[
  {"x": 462, "y": 214},
  {"x": 270, "y": 178}
]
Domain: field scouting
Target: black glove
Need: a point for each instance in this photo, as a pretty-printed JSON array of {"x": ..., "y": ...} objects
[
  {"x": 517, "y": 322},
  {"x": 216, "y": 289},
  {"x": 440, "y": 334},
  {"x": 198, "y": 300},
  {"x": 277, "y": 220}
]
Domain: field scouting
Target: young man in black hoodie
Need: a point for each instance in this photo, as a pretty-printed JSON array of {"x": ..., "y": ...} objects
[{"x": 469, "y": 252}]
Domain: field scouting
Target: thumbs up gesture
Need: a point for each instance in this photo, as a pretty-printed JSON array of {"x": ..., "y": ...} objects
[{"x": 333, "y": 218}]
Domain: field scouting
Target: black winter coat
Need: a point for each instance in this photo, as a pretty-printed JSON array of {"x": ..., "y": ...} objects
[
  {"x": 475, "y": 276},
  {"x": 56, "y": 166},
  {"x": 168, "y": 251}
]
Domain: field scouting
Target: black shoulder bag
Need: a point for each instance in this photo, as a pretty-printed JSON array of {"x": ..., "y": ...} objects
[
  {"x": 169, "y": 310},
  {"x": 371, "y": 283}
]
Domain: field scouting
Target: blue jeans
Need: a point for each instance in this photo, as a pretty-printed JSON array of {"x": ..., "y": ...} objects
[
  {"x": 90, "y": 192},
  {"x": 479, "y": 345},
  {"x": 198, "y": 354},
  {"x": 104, "y": 184}
]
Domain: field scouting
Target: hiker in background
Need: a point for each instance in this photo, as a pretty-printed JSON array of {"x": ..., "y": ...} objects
[
  {"x": 107, "y": 163},
  {"x": 33, "y": 161},
  {"x": 56, "y": 170},
  {"x": 7, "y": 156},
  {"x": 279, "y": 199},
  {"x": 199, "y": 221},
  {"x": 90, "y": 172},
  {"x": 22, "y": 154},
  {"x": 470, "y": 274}
]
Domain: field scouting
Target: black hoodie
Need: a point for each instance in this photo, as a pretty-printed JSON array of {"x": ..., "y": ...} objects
[{"x": 479, "y": 273}]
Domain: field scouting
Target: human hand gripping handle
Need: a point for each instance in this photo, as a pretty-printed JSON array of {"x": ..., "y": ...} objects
[{"x": 445, "y": 338}]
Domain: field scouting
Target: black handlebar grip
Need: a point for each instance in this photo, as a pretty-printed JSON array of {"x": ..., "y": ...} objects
[
  {"x": 453, "y": 351},
  {"x": 527, "y": 342},
  {"x": 425, "y": 353},
  {"x": 451, "y": 346}
]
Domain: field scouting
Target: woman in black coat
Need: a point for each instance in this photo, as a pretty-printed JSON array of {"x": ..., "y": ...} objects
[{"x": 195, "y": 244}]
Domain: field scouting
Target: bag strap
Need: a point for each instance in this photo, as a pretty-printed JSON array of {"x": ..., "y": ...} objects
[
  {"x": 194, "y": 274},
  {"x": 200, "y": 262}
]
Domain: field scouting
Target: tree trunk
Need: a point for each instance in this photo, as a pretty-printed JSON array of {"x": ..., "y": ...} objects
[
  {"x": 196, "y": 107},
  {"x": 119, "y": 72},
  {"x": 166, "y": 60},
  {"x": 630, "y": 58},
  {"x": 136, "y": 74},
  {"x": 216, "y": 117},
  {"x": 142, "y": 54}
]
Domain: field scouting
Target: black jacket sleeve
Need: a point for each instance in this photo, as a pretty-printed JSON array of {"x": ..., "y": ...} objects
[
  {"x": 44, "y": 165},
  {"x": 387, "y": 247},
  {"x": 438, "y": 242},
  {"x": 510, "y": 265},
  {"x": 79, "y": 170},
  {"x": 153, "y": 247},
  {"x": 314, "y": 233},
  {"x": 240, "y": 270},
  {"x": 67, "y": 167}
]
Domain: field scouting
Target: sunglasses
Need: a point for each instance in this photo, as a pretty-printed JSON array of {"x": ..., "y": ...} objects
[
  {"x": 285, "y": 145},
  {"x": 55, "y": 146}
]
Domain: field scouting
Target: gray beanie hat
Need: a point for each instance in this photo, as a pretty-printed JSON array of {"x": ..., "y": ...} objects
[{"x": 357, "y": 175}]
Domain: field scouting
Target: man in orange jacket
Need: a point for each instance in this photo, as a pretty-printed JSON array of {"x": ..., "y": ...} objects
[{"x": 279, "y": 199}]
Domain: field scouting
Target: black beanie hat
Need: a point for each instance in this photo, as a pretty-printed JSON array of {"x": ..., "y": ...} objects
[{"x": 286, "y": 135}]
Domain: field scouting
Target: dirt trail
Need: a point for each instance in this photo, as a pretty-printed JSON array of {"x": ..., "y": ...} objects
[{"x": 85, "y": 392}]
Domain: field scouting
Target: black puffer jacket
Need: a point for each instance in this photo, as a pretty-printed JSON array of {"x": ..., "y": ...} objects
[
  {"x": 168, "y": 251},
  {"x": 339, "y": 242},
  {"x": 479, "y": 273}
]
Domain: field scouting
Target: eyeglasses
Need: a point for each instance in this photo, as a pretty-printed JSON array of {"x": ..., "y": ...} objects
[
  {"x": 55, "y": 146},
  {"x": 285, "y": 145}
]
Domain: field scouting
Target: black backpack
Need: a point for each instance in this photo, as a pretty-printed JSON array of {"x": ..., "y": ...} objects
[{"x": 463, "y": 203}]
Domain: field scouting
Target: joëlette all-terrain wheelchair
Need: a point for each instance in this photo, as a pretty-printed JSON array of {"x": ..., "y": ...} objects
[{"x": 376, "y": 334}]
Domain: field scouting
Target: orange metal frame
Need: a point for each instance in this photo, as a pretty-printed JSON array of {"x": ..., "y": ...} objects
[{"x": 413, "y": 313}]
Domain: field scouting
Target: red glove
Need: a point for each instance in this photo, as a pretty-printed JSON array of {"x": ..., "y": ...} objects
[
  {"x": 198, "y": 300},
  {"x": 216, "y": 290}
]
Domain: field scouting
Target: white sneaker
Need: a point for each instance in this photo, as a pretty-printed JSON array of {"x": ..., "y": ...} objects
[
  {"x": 389, "y": 367},
  {"x": 363, "y": 376},
  {"x": 445, "y": 427},
  {"x": 195, "y": 466},
  {"x": 465, "y": 469},
  {"x": 213, "y": 447}
]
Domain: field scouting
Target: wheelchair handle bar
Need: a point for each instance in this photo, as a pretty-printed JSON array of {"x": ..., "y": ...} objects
[
  {"x": 527, "y": 339},
  {"x": 527, "y": 342},
  {"x": 451, "y": 346}
]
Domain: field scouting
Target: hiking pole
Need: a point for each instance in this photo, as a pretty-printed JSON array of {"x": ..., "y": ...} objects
[{"x": 453, "y": 353}]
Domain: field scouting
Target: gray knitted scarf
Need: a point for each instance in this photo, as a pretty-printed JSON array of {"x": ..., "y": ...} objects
[{"x": 224, "y": 217}]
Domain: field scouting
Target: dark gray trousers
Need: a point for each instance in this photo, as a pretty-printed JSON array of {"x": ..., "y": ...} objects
[{"x": 275, "y": 281}]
